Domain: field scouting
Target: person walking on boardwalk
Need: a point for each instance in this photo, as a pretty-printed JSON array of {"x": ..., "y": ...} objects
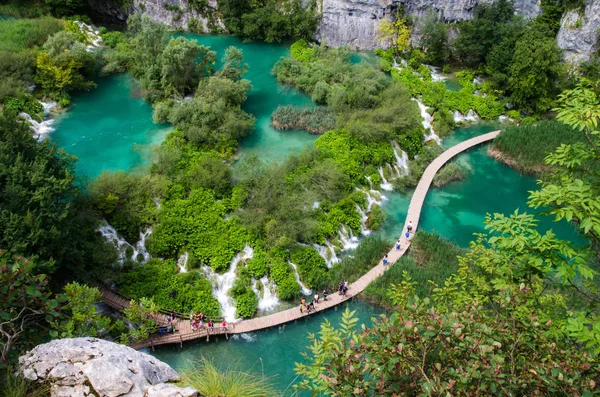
[
  {"x": 316, "y": 298},
  {"x": 325, "y": 293},
  {"x": 409, "y": 228},
  {"x": 398, "y": 245},
  {"x": 385, "y": 260},
  {"x": 340, "y": 287},
  {"x": 407, "y": 235}
]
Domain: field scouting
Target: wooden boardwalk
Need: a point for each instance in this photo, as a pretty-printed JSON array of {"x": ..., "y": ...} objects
[{"x": 185, "y": 332}]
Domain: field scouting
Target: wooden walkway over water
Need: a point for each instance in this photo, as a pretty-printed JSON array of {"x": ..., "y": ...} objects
[{"x": 183, "y": 326}]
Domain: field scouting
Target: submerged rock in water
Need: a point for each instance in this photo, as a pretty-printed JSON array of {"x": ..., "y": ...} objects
[{"x": 95, "y": 367}]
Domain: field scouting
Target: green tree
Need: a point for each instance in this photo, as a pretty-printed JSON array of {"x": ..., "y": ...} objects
[
  {"x": 233, "y": 64},
  {"x": 25, "y": 307},
  {"x": 394, "y": 34},
  {"x": 183, "y": 63},
  {"x": 434, "y": 40},
  {"x": 536, "y": 71},
  {"x": 79, "y": 314},
  {"x": 141, "y": 315}
]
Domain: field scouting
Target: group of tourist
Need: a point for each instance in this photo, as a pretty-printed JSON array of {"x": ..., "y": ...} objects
[
  {"x": 409, "y": 229},
  {"x": 343, "y": 288},
  {"x": 197, "y": 320}
]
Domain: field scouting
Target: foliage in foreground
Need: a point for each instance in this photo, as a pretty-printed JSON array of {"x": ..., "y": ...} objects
[
  {"x": 15, "y": 385},
  {"x": 211, "y": 381}
]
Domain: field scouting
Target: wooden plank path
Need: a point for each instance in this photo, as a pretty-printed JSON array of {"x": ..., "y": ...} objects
[{"x": 183, "y": 326}]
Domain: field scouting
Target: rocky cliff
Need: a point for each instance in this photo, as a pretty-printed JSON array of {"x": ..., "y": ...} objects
[
  {"x": 579, "y": 32},
  {"x": 354, "y": 22},
  {"x": 83, "y": 367},
  {"x": 180, "y": 14}
]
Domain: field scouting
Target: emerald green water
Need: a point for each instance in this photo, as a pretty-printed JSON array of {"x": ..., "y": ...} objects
[{"x": 109, "y": 128}]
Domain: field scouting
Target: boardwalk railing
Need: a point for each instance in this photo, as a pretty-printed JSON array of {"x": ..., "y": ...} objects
[{"x": 185, "y": 332}]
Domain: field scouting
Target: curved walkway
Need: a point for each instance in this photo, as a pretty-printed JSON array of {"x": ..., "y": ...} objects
[{"x": 185, "y": 332}]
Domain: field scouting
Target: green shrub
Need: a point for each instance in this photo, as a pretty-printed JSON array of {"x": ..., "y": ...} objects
[
  {"x": 19, "y": 34},
  {"x": 449, "y": 173},
  {"x": 246, "y": 304},
  {"x": 311, "y": 266},
  {"x": 376, "y": 217},
  {"x": 258, "y": 266},
  {"x": 314, "y": 120},
  {"x": 301, "y": 51}
]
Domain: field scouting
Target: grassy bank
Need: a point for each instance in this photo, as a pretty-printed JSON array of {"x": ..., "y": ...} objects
[
  {"x": 430, "y": 257},
  {"x": 525, "y": 147},
  {"x": 315, "y": 120}
]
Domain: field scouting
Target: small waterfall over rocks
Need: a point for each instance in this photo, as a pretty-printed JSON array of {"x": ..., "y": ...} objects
[
  {"x": 327, "y": 252},
  {"x": 401, "y": 165},
  {"x": 461, "y": 118},
  {"x": 42, "y": 129},
  {"x": 268, "y": 299},
  {"x": 385, "y": 185},
  {"x": 347, "y": 238},
  {"x": 435, "y": 73},
  {"x": 222, "y": 283},
  {"x": 305, "y": 291},
  {"x": 427, "y": 120},
  {"x": 182, "y": 262},
  {"x": 110, "y": 234}
]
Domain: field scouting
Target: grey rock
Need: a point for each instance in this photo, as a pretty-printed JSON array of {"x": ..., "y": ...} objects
[
  {"x": 89, "y": 366},
  {"x": 166, "y": 390},
  {"x": 165, "y": 12},
  {"x": 578, "y": 34},
  {"x": 354, "y": 22}
]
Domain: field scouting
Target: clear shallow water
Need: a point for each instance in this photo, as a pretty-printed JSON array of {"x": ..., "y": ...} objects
[
  {"x": 108, "y": 128},
  {"x": 272, "y": 352},
  {"x": 266, "y": 95}
]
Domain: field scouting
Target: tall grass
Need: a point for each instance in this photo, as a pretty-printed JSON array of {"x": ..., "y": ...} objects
[
  {"x": 315, "y": 120},
  {"x": 430, "y": 257},
  {"x": 525, "y": 147},
  {"x": 449, "y": 173},
  {"x": 213, "y": 382},
  {"x": 12, "y": 385},
  {"x": 367, "y": 254},
  {"x": 20, "y": 34}
]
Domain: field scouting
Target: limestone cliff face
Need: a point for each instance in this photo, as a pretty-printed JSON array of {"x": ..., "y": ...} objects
[
  {"x": 579, "y": 32},
  {"x": 179, "y": 14},
  {"x": 82, "y": 367},
  {"x": 354, "y": 22}
]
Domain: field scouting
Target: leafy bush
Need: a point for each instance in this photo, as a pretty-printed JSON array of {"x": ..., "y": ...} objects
[
  {"x": 258, "y": 266},
  {"x": 20, "y": 34},
  {"x": 376, "y": 217},
  {"x": 246, "y": 304},
  {"x": 311, "y": 266},
  {"x": 449, "y": 173},
  {"x": 301, "y": 51},
  {"x": 160, "y": 280}
]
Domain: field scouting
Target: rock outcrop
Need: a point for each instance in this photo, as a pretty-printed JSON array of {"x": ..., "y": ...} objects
[
  {"x": 179, "y": 14},
  {"x": 579, "y": 32},
  {"x": 82, "y": 367},
  {"x": 354, "y": 22}
]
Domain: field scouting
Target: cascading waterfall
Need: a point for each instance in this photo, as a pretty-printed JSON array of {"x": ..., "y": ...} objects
[
  {"x": 461, "y": 118},
  {"x": 110, "y": 234},
  {"x": 303, "y": 289},
  {"x": 435, "y": 73},
  {"x": 363, "y": 221},
  {"x": 41, "y": 129},
  {"x": 401, "y": 161},
  {"x": 347, "y": 238},
  {"x": 385, "y": 185},
  {"x": 427, "y": 120},
  {"x": 182, "y": 262},
  {"x": 327, "y": 252},
  {"x": 268, "y": 299},
  {"x": 92, "y": 35},
  {"x": 222, "y": 283},
  {"x": 140, "y": 246}
]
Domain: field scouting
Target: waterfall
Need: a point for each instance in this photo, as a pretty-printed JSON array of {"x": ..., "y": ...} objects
[
  {"x": 363, "y": 221},
  {"x": 157, "y": 202},
  {"x": 401, "y": 161},
  {"x": 370, "y": 182},
  {"x": 316, "y": 205},
  {"x": 182, "y": 262},
  {"x": 222, "y": 283},
  {"x": 385, "y": 185},
  {"x": 435, "y": 73},
  {"x": 303, "y": 289},
  {"x": 470, "y": 117},
  {"x": 92, "y": 35},
  {"x": 268, "y": 300},
  {"x": 427, "y": 120},
  {"x": 478, "y": 80},
  {"x": 348, "y": 240},
  {"x": 140, "y": 246},
  {"x": 110, "y": 234},
  {"x": 41, "y": 129},
  {"x": 327, "y": 252}
]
